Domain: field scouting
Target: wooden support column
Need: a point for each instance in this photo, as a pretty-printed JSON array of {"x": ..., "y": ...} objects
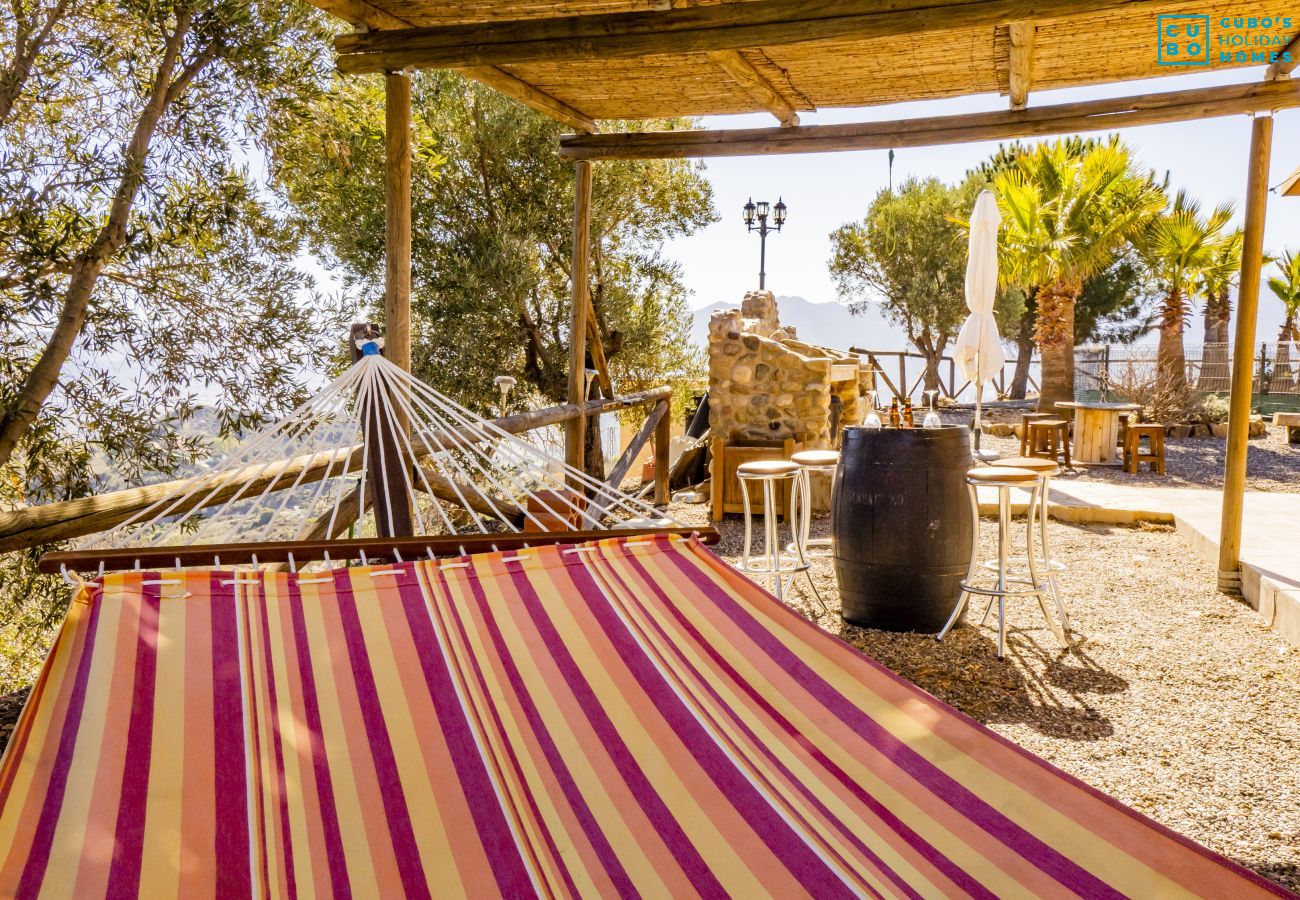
[
  {"x": 576, "y": 430},
  {"x": 1252, "y": 261},
  {"x": 663, "y": 437},
  {"x": 397, "y": 219}
]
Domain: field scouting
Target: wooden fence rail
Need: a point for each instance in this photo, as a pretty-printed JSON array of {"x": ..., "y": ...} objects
[{"x": 948, "y": 386}]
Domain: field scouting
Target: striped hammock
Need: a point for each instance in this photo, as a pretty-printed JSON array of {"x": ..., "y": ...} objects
[{"x": 625, "y": 718}]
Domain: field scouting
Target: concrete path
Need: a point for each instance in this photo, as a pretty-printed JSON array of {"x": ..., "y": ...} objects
[{"x": 1270, "y": 543}]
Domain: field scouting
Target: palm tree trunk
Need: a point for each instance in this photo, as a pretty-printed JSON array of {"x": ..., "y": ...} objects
[
  {"x": 1214, "y": 349},
  {"x": 1054, "y": 331},
  {"x": 1282, "y": 359},
  {"x": 1171, "y": 359}
]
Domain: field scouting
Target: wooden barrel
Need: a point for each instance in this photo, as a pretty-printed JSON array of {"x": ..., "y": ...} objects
[{"x": 902, "y": 525}]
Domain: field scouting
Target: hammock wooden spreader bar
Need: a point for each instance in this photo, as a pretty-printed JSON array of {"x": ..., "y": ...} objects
[
  {"x": 340, "y": 551},
  {"x": 625, "y": 718}
]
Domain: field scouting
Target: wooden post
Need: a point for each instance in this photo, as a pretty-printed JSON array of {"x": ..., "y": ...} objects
[
  {"x": 576, "y": 431},
  {"x": 1252, "y": 261},
  {"x": 663, "y": 437},
  {"x": 397, "y": 219}
]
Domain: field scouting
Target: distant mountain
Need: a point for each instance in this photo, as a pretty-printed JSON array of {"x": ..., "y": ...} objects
[{"x": 828, "y": 324}]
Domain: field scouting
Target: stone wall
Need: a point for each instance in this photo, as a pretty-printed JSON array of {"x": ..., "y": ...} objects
[{"x": 765, "y": 385}]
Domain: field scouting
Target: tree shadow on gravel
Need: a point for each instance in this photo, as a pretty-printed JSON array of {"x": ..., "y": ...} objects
[{"x": 1038, "y": 684}]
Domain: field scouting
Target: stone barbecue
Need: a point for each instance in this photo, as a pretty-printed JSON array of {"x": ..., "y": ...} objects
[{"x": 766, "y": 385}]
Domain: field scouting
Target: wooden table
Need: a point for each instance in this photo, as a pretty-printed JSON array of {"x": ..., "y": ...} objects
[{"x": 1096, "y": 432}]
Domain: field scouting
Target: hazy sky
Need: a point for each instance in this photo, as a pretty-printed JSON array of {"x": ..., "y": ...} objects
[{"x": 826, "y": 190}]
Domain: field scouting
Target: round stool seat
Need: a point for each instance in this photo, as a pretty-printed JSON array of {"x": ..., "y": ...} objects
[
  {"x": 1033, "y": 463},
  {"x": 816, "y": 458},
  {"x": 1048, "y": 423},
  {"x": 1000, "y": 475},
  {"x": 1143, "y": 428},
  {"x": 761, "y": 467}
]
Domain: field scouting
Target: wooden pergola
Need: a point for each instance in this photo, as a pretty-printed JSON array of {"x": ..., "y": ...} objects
[{"x": 581, "y": 61}]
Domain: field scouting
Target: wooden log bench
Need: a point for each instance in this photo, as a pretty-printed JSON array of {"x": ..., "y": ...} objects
[{"x": 1292, "y": 423}]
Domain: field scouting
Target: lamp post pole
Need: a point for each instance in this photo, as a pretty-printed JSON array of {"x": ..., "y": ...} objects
[{"x": 756, "y": 219}]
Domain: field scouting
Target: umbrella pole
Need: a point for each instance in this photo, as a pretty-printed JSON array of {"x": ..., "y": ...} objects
[{"x": 979, "y": 396}]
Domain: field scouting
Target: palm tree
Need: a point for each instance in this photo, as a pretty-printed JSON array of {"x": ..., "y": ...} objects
[
  {"x": 1067, "y": 209},
  {"x": 1180, "y": 249},
  {"x": 1216, "y": 287},
  {"x": 1287, "y": 289}
]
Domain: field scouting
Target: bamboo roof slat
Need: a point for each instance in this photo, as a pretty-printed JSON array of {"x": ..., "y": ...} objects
[{"x": 639, "y": 59}]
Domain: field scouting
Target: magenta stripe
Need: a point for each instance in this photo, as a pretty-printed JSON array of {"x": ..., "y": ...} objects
[
  {"x": 939, "y": 783},
  {"x": 928, "y": 851},
  {"x": 652, "y": 804},
  {"x": 128, "y": 846},
  {"x": 521, "y": 781},
  {"x": 400, "y": 831},
  {"x": 273, "y": 717},
  {"x": 471, "y": 769},
  {"x": 703, "y": 682},
  {"x": 233, "y": 842},
  {"x": 39, "y": 856},
  {"x": 804, "y": 865},
  {"x": 622, "y": 883},
  {"x": 334, "y": 856}
]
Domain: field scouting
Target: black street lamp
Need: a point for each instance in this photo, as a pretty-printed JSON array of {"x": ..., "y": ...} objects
[{"x": 759, "y": 211}]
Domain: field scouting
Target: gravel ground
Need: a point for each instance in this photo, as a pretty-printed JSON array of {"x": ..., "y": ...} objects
[
  {"x": 1173, "y": 699},
  {"x": 1271, "y": 464}
]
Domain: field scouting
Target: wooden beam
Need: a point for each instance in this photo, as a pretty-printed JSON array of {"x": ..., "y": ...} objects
[
  {"x": 625, "y": 460},
  {"x": 528, "y": 95},
  {"x": 594, "y": 342},
  {"x": 575, "y": 433},
  {"x": 721, "y": 26},
  {"x": 397, "y": 219},
  {"x": 1090, "y": 115},
  {"x": 468, "y": 497},
  {"x": 1284, "y": 67},
  {"x": 363, "y": 14},
  {"x": 753, "y": 83},
  {"x": 1020, "y": 63},
  {"x": 663, "y": 437},
  {"x": 1252, "y": 261}
]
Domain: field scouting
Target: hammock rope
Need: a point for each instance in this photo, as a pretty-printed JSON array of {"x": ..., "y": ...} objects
[{"x": 378, "y": 433}]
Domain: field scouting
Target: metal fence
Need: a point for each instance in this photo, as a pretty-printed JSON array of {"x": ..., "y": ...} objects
[{"x": 1118, "y": 370}]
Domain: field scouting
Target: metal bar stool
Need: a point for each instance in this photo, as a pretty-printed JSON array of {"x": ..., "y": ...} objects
[
  {"x": 774, "y": 560},
  {"x": 1049, "y": 565},
  {"x": 813, "y": 462},
  {"x": 1003, "y": 583}
]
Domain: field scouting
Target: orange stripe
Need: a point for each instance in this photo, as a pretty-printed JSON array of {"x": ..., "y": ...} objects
[{"x": 198, "y": 875}]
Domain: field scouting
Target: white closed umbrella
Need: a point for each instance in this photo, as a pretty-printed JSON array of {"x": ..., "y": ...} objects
[{"x": 978, "y": 351}]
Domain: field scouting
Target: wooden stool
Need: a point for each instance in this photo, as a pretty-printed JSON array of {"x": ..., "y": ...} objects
[
  {"x": 1123, "y": 427},
  {"x": 1050, "y": 439},
  {"x": 1025, "y": 419},
  {"x": 1155, "y": 455}
]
